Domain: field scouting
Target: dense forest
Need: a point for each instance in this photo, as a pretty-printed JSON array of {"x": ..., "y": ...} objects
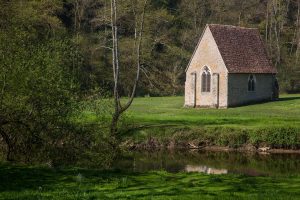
[
  {"x": 172, "y": 29},
  {"x": 57, "y": 53}
]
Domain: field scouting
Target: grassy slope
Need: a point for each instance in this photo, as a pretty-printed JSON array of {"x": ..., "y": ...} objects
[
  {"x": 44, "y": 183},
  {"x": 169, "y": 110}
]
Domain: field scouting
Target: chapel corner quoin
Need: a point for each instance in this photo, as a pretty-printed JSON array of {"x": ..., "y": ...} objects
[{"x": 229, "y": 67}]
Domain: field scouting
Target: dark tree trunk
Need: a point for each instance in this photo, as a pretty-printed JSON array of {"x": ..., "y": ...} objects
[{"x": 9, "y": 145}]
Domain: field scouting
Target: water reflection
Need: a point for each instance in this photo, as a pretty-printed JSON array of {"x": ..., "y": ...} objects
[
  {"x": 205, "y": 169},
  {"x": 211, "y": 162}
]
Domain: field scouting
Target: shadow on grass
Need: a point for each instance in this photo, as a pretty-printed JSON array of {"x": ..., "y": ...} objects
[
  {"x": 220, "y": 123},
  {"x": 288, "y": 98},
  {"x": 281, "y": 99},
  {"x": 18, "y": 178},
  {"x": 197, "y": 122},
  {"x": 18, "y": 182}
]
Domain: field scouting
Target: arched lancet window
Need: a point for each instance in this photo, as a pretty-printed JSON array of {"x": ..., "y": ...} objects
[
  {"x": 251, "y": 83},
  {"x": 205, "y": 80}
]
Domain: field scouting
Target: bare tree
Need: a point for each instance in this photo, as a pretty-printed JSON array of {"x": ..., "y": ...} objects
[
  {"x": 118, "y": 107},
  {"x": 276, "y": 18}
]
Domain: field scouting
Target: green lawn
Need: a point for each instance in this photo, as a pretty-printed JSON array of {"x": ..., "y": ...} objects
[
  {"x": 19, "y": 182},
  {"x": 170, "y": 110}
]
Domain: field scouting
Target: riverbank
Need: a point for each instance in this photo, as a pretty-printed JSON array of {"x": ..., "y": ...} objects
[
  {"x": 273, "y": 139},
  {"x": 162, "y": 122},
  {"x": 20, "y": 182}
]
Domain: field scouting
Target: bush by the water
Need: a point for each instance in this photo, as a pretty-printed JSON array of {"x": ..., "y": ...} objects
[
  {"x": 282, "y": 137},
  {"x": 274, "y": 137}
]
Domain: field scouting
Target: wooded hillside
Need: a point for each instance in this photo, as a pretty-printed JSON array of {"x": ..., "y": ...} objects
[{"x": 172, "y": 30}]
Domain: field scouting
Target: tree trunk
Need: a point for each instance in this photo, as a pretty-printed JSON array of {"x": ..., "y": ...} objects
[
  {"x": 9, "y": 145},
  {"x": 119, "y": 109}
]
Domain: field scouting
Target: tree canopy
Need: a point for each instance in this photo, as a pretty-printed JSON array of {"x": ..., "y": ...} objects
[{"x": 172, "y": 30}]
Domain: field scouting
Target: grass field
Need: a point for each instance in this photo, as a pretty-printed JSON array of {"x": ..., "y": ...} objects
[
  {"x": 170, "y": 110},
  {"x": 19, "y": 182}
]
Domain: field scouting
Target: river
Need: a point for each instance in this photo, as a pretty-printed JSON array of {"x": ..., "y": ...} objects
[{"x": 251, "y": 164}]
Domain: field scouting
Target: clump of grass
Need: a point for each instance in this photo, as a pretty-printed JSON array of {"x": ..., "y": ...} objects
[{"x": 232, "y": 137}]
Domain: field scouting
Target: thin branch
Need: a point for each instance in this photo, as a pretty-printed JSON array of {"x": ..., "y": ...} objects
[
  {"x": 147, "y": 76},
  {"x": 104, "y": 47}
]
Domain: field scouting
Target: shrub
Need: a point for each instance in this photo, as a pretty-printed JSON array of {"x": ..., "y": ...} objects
[{"x": 276, "y": 137}]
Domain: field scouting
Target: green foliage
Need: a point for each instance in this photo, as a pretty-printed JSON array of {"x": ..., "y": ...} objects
[
  {"x": 40, "y": 88},
  {"x": 283, "y": 137},
  {"x": 231, "y": 137},
  {"x": 278, "y": 137}
]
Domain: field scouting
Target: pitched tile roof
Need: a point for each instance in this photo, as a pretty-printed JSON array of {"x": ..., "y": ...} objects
[{"x": 242, "y": 49}]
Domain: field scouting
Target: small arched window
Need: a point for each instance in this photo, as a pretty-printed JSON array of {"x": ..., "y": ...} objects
[
  {"x": 251, "y": 83},
  {"x": 205, "y": 80}
]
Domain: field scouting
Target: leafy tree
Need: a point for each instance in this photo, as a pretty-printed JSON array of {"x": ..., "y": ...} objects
[{"x": 37, "y": 91}]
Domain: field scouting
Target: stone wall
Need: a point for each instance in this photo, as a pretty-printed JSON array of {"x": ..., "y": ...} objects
[
  {"x": 206, "y": 54},
  {"x": 238, "y": 93}
]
